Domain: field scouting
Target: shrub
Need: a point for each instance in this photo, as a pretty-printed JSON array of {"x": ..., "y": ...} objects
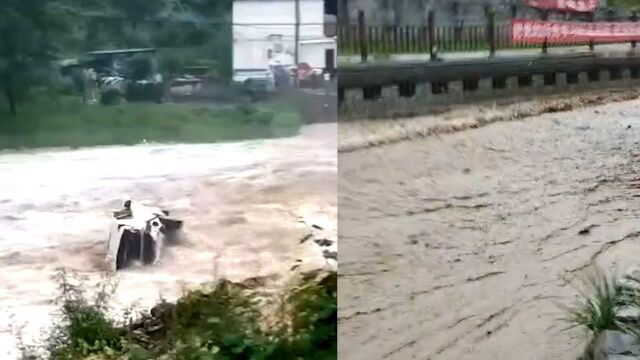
[
  {"x": 310, "y": 305},
  {"x": 263, "y": 118},
  {"x": 246, "y": 109},
  {"x": 223, "y": 322},
  {"x": 84, "y": 328},
  {"x": 111, "y": 97},
  {"x": 219, "y": 323},
  {"x": 598, "y": 305}
]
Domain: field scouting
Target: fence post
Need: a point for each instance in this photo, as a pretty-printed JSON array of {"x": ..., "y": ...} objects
[
  {"x": 545, "y": 45},
  {"x": 457, "y": 33},
  {"x": 433, "y": 47},
  {"x": 591, "y": 43},
  {"x": 634, "y": 18},
  {"x": 362, "y": 37},
  {"x": 491, "y": 30}
]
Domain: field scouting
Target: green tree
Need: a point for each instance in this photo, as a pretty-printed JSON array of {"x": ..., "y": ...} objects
[
  {"x": 26, "y": 31},
  {"x": 139, "y": 11},
  {"x": 626, "y": 4}
]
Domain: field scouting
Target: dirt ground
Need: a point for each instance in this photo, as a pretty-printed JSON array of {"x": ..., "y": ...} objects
[
  {"x": 462, "y": 245},
  {"x": 246, "y": 206}
]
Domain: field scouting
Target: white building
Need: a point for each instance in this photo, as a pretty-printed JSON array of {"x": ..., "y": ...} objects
[{"x": 264, "y": 35}]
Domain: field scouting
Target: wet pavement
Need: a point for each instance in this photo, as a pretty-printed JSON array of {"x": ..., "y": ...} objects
[{"x": 461, "y": 246}]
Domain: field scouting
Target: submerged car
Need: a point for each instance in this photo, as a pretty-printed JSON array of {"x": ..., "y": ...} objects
[{"x": 138, "y": 234}]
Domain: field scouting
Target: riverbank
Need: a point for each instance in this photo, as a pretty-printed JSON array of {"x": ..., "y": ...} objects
[
  {"x": 362, "y": 134},
  {"x": 249, "y": 319},
  {"x": 67, "y": 122}
]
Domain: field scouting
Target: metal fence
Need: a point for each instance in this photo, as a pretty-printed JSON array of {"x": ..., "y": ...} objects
[
  {"x": 416, "y": 39},
  {"x": 362, "y": 39}
]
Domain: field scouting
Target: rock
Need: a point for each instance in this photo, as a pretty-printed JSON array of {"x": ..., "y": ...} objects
[
  {"x": 613, "y": 345},
  {"x": 163, "y": 310},
  {"x": 628, "y": 313},
  {"x": 255, "y": 282},
  {"x": 306, "y": 237},
  {"x": 330, "y": 254},
  {"x": 586, "y": 230},
  {"x": 153, "y": 325},
  {"x": 141, "y": 337},
  {"x": 633, "y": 274},
  {"x": 323, "y": 242}
]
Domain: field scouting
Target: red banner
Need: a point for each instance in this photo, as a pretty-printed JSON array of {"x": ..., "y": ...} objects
[
  {"x": 564, "y": 5},
  {"x": 565, "y": 32}
]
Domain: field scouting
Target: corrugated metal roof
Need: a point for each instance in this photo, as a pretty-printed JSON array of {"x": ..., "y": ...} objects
[{"x": 121, "y": 51}]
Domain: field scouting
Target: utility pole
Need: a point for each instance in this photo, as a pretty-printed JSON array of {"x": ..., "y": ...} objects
[{"x": 297, "y": 44}]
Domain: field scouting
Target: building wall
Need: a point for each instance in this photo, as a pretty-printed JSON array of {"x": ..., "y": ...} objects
[
  {"x": 314, "y": 53},
  {"x": 263, "y": 25}
]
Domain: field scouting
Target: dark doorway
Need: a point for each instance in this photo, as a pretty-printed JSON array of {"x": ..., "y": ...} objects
[{"x": 330, "y": 59}]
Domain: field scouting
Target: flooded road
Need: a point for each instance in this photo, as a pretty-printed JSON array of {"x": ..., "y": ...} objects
[
  {"x": 241, "y": 202},
  {"x": 460, "y": 246}
]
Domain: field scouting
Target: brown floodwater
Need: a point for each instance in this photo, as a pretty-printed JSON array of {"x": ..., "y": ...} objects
[
  {"x": 461, "y": 246},
  {"x": 245, "y": 205}
]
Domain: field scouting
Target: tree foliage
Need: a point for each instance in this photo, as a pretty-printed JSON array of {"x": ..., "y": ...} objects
[
  {"x": 26, "y": 47},
  {"x": 625, "y": 4},
  {"x": 33, "y": 33},
  {"x": 137, "y": 11}
]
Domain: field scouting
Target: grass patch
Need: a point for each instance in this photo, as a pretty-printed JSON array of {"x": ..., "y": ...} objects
[
  {"x": 66, "y": 122},
  {"x": 223, "y": 321},
  {"x": 595, "y": 308},
  {"x": 600, "y": 303}
]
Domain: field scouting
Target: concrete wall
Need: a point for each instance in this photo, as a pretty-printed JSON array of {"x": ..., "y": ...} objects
[
  {"x": 390, "y": 12},
  {"x": 398, "y": 12},
  {"x": 408, "y": 100}
]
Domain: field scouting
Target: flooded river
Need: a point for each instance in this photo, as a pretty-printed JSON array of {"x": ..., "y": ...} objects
[
  {"x": 242, "y": 204},
  {"x": 460, "y": 246}
]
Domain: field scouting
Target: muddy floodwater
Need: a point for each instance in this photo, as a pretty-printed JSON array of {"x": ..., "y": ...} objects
[
  {"x": 461, "y": 246},
  {"x": 245, "y": 205}
]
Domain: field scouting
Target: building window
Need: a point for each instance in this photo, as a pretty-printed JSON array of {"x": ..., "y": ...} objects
[
  {"x": 269, "y": 54},
  {"x": 331, "y": 7}
]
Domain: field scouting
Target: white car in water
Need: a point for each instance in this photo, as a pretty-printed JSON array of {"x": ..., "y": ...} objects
[{"x": 138, "y": 233}]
